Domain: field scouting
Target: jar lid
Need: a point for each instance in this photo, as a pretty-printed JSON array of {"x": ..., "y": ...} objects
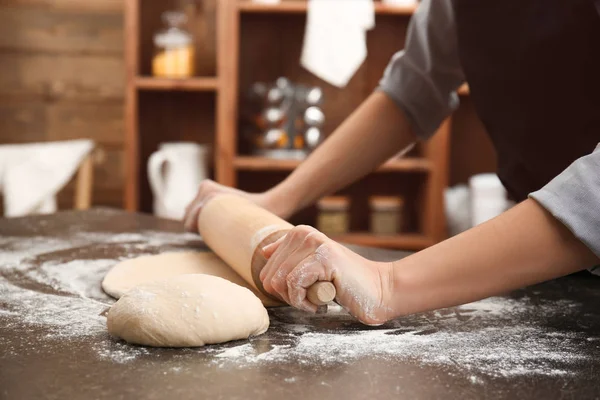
[
  {"x": 172, "y": 37},
  {"x": 334, "y": 203},
  {"x": 386, "y": 203}
]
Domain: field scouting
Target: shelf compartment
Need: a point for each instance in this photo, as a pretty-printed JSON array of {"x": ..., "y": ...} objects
[
  {"x": 170, "y": 117},
  {"x": 297, "y": 7},
  {"x": 404, "y": 241},
  {"x": 252, "y": 163},
  {"x": 208, "y": 84}
]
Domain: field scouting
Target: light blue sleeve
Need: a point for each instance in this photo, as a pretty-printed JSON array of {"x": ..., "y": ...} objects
[
  {"x": 573, "y": 197},
  {"x": 423, "y": 78}
]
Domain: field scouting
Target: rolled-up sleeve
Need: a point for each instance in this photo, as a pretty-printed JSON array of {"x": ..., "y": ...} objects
[
  {"x": 573, "y": 197},
  {"x": 423, "y": 78}
]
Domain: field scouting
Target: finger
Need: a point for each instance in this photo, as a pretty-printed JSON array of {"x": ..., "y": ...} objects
[
  {"x": 298, "y": 257},
  {"x": 298, "y": 282},
  {"x": 190, "y": 221},
  {"x": 269, "y": 249},
  {"x": 294, "y": 237},
  {"x": 273, "y": 247},
  {"x": 298, "y": 245},
  {"x": 303, "y": 277},
  {"x": 275, "y": 264}
]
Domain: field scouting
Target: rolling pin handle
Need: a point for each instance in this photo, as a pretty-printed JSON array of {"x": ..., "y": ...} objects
[{"x": 321, "y": 293}]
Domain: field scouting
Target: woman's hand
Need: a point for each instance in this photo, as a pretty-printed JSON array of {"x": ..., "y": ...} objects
[
  {"x": 304, "y": 256},
  {"x": 208, "y": 189}
]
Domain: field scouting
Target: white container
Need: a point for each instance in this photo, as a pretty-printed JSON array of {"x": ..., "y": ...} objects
[
  {"x": 400, "y": 2},
  {"x": 175, "y": 172},
  {"x": 488, "y": 198},
  {"x": 458, "y": 209}
]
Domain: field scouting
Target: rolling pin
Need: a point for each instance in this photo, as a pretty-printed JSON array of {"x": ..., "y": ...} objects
[{"x": 237, "y": 229}]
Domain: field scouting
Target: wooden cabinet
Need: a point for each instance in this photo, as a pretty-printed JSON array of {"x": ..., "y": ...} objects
[
  {"x": 258, "y": 42},
  {"x": 159, "y": 110}
]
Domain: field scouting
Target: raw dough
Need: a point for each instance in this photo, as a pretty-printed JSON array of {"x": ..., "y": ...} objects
[
  {"x": 136, "y": 271},
  {"x": 187, "y": 311}
]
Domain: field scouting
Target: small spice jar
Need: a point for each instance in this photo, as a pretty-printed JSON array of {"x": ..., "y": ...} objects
[
  {"x": 174, "y": 48},
  {"x": 333, "y": 218},
  {"x": 386, "y": 214}
]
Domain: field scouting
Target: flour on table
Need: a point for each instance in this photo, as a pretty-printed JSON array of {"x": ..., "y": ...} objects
[
  {"x": 511, "y": 347},
  {"x": 61, "y": 298}
]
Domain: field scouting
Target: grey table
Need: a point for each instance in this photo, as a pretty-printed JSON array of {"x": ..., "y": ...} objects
[{"x": 540, "y": 342}]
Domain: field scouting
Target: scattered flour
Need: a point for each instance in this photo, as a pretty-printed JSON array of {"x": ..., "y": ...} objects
[
  {"x": 61, "y": 296},
  {"x": 244, "y": 350},
  {"x": 120, "y": 353},
  {"x": 511, "y": 344}
]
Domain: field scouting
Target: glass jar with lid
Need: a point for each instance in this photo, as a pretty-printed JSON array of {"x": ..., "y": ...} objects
[
  {"x": 333, "y": 218},
  {"x": 386, "y": 214},
  {"x": 174, "y": 48}
]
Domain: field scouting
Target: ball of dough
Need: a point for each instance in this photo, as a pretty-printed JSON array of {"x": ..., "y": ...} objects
[{"x": 187, "y": 311}]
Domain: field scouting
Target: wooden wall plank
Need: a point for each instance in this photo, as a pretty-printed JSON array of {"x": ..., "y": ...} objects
[
  {"x": 36, "y": 29},
  {"x": 109, "y": 6},
  {"x": 101, "y": 122},
  {"x": 103, "y": 197},
  {"x": 22, "y": 122},
  {"x": 34, "y": 121},
  {"x": 61, "y": 76},
  {"x": 109, "y": 171},
  {"x": 108, "y": 182}
]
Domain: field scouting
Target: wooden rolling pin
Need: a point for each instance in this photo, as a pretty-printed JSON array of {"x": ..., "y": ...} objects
[{"x": 237, "y": 229}]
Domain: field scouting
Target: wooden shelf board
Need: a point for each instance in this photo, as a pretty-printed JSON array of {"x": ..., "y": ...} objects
[
  {"x": 404, "y": 241},
  {"x": 253, "y": 163},
  {"x": 298, "y": 6},
  {"x": 188, "y": 84}
]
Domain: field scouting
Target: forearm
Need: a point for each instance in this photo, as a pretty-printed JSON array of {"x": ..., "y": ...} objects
[
  {"x": 372, "y": 134},
  {"x": 524, "y": 246}
]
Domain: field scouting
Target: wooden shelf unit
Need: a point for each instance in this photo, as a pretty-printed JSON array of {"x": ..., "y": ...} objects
[
  {"x": 192, "y": 84},
  {"x": 242, "y": 30},
  {"x": 253, "y": 163},
  {"x": 406, "y": 241},
  {"x": 159, "y": 109}
]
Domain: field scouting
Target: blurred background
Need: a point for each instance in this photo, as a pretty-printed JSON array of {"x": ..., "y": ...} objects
[{"x": 173, "y": 92}]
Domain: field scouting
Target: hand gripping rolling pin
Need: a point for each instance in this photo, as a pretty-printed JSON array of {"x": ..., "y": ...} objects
[{"x": 237, "y": 229}]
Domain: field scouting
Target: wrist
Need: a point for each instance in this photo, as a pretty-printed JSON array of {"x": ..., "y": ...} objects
[
  {"x": 280, "y": 202},
  {"x": 401, "y": 294},
  {"x": 386, "y": 280}
]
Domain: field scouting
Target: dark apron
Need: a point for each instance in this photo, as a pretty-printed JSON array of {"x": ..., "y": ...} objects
[{"x": 533, "y": 67}]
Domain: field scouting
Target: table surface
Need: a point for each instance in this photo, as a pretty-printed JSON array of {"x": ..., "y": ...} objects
[{"x": 540, "y": 342}]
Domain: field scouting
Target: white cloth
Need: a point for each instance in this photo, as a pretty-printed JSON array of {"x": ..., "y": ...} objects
[
  {"x": 32, "y": 174},
  {"x": 335, "y": 39}
]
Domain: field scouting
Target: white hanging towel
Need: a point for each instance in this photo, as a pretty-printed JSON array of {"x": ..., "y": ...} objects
[
  {"x": 32, "y": 174},
  {"x": 335, "y": 39}
]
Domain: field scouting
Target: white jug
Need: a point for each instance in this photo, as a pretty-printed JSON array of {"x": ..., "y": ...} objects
[{"x": 175, "y": 172}]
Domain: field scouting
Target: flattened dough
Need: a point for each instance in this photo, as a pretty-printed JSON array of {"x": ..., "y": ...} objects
[
  {"x": 136, "y": 271},
  {"x": 187, "y": 311}
]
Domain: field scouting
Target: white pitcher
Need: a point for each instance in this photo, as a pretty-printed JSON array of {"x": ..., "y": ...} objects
[{"x": 175, "y": 172}]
